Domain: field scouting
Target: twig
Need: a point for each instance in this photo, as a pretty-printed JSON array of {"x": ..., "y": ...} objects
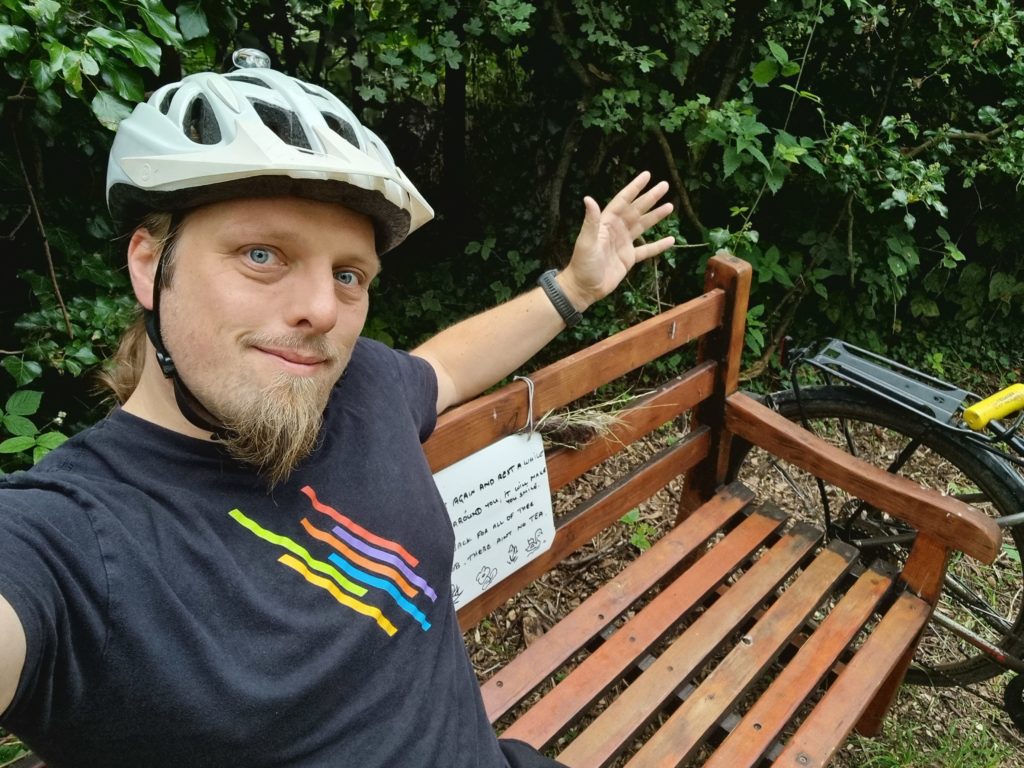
[
  {"x": 12, "y": 351},
  {"x": 955, "y": 136},
  {"x": 42, "y": 232},
  {"x": 14, "y": 232}
]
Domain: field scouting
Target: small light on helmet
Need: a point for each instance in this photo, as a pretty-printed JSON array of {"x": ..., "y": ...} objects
[{"x": 250, "y": 58}]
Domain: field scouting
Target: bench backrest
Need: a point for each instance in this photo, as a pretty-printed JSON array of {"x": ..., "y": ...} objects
[{"x": 715, "y": 319}]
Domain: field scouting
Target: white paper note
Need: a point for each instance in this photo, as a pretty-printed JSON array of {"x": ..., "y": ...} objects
[{"x": 500, "y": 507}]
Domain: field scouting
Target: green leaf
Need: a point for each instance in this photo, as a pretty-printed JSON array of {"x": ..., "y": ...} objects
[
  {"x": 108, "y": 38},
  {"x": 765, "y": 71},
  {"x": 42, "y": 75},
  {"x": 43, "y": 10},
  {"x": 192, "y": 21},
  {"x": 778, "y": 52},
  {"x": 19, "y": 425},
  {"x": 24, "y": 402},
  {"x": 424, "y": 51},
  {"x": 160, "y": 22},
  {"x": 142, "y": 50},
  {"x": 790, "y": 68},
  {"x": 89, "y": 65},
  {"x": 23, "y": 371},
  {"x": 923, "y": 307},
  {"x": 14, "y": 38},
  {"x": 50, "y": 440},
  {"x": 897, "y": 266},
  {"x": 731, "y": 161},
  {"x": 757, "y": 153},
  {"x": 126, "y": 82},
  {"x": 109, "y": 109},
  {"x": 17, "y": 444},
  {"x": 812, "y": 163}
]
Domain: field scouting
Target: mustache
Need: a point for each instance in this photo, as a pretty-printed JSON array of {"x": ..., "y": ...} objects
[{"x": 313, "y": 346}]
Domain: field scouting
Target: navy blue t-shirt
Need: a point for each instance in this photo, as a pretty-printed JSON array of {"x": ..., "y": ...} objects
[{"x": 178, "y": 614}]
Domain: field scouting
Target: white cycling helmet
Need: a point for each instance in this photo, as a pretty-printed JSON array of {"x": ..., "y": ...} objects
[{"x": 255, "y": 132}]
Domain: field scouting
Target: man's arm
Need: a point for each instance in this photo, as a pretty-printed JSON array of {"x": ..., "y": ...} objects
[
  {"x": 478, "y": 352},
  {"x": 12, "y": 653}
]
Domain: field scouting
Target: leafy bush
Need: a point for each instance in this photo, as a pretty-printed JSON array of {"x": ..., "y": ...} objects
[{"x": 866, "y": 157}]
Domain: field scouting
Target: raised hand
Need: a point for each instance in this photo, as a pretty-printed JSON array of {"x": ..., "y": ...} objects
[{"x": 605, "y": 248}]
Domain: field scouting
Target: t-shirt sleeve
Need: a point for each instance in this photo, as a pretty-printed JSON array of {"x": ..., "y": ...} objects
[
  {"x": 52, "y": 574},
  {"x": 413, "y": 376},
  {"x": 420, "y": 383}
]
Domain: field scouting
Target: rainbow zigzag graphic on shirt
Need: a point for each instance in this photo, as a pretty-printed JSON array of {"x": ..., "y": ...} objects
[{"x": 360, "y": 561}]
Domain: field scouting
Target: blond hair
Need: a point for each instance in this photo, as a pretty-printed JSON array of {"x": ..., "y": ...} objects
[{"x": 121, "y": 373}]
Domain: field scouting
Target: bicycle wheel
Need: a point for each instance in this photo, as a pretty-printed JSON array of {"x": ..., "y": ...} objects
[{"x": 985, "y": 599}]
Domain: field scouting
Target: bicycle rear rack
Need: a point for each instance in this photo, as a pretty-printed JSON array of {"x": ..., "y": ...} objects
[
  {"x": 934, "y": 399},
  {"x": 888, "y": 379}
]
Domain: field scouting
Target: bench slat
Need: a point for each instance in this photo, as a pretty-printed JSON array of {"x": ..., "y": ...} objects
[
  {"x": 580, "y": 526},
  {"x": 815, "y": 742},
  {"x": 482, "y": 421},
  {"x": 684, "y": 732},
  {"x": 640, "y": 702},
  {"x": 539, "y": 660},
  {"x": 643, "y": 416},
  {"x": 763, "y": 723},
  {"x": 563, "y": 706}
]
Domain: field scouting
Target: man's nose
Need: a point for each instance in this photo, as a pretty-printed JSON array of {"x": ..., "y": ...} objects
[{"x": 313, "y": 302}]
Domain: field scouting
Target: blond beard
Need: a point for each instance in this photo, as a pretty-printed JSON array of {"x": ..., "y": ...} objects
[
  {"x": 276, "y": 428},
  {"x": 276, "y": 431}
]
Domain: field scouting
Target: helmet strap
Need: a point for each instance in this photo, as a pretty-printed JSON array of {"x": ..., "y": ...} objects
[{"x": 189, "y": 405}]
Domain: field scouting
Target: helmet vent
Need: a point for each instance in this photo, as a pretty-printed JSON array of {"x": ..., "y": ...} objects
[
  {"x": 341, "y": 128},
  {"x": 250, "y": 80},
  {"x": 165, "y": 104},
  {"x": 283, "y": 123},
  {"x": 201, "y": 122}
]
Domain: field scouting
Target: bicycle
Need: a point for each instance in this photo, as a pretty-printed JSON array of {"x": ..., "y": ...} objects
[{"x": 941, "y": 435}]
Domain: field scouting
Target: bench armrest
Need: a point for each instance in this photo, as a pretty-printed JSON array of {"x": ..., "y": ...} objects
[{"x": 949, "y": 521}]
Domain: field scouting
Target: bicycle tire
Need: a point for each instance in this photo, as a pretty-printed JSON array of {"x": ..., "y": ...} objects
[{"x": 942, "y": 658}]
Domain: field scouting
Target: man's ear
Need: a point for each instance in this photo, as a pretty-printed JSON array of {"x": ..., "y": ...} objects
[{"x": 143, "y": 258}]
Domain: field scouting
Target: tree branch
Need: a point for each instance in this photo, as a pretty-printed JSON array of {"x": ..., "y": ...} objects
[
  {"x": 570, "y": 140},
  {"x": 42, "y": 231},
  {"x": 955, "y": 136},
  {"x": 685, "y": 204},
  {"x": 575, "y": 65}
]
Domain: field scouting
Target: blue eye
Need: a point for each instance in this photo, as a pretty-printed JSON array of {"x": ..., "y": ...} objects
[
  {"x": 346, "y": 277},
  {"x": 260, "y": 255}
]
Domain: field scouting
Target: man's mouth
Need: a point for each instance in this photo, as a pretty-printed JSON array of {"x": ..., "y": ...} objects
[{"x": 294, "y": 360}]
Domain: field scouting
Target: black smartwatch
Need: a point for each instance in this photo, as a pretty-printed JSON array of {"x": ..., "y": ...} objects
[{"x": 570, "y": 315}]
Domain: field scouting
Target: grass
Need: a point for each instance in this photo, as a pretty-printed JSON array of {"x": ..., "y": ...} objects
[
  {"x": 940, "y": 728},
  {"x": 10, "y": 748}
]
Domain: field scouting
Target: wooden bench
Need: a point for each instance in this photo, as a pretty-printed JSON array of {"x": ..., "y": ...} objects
[{"x": 737, "y": 639}]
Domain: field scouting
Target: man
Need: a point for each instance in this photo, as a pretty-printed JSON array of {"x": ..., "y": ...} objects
[{"x": 247, "y": 563}]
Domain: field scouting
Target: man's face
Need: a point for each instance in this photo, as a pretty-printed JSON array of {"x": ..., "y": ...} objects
[{"x": 267, "y": 299}]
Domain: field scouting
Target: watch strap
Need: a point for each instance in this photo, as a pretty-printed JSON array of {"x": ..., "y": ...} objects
[{"x": 569, "y": 314}]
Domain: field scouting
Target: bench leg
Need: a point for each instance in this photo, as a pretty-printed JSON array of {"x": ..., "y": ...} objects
[{"x": 923, "y": 575}]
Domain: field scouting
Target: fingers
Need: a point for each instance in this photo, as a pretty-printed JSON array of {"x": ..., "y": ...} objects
[
  {"x": 649, "y": 199},
  {"x": 651, "y": 218},
  {"x": 648, "y": 250}
]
